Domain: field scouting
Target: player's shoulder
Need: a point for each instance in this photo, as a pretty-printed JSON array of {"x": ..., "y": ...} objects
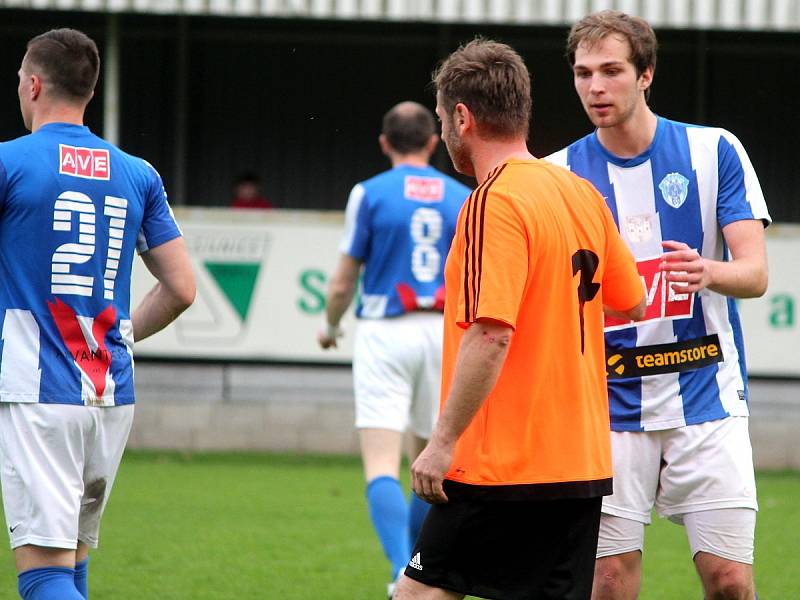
[
  {"x": 16, "y": 147},
  {"x": 561, "y": 156},
  {"x": 710, "y": 135}
]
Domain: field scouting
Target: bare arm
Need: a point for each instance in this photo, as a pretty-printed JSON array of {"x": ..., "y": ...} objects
[
  {"x": 481, "y": 356},
  {"x": 745, "y": 276},
  {"x": 170, "y": 265},
  {"x": 635, "y": 313},
  {"x": 341, "y": 290}
]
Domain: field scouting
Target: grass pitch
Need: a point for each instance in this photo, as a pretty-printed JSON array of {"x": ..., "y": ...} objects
[{"x": 280, "y": 527}]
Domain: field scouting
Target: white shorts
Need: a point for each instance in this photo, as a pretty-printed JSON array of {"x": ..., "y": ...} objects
[
  {"x": 682, "y": 471},
  {"x": 57, "y": 467},
  {"x": 725, "y": 532},
  {"x": 397, "y": 367}
]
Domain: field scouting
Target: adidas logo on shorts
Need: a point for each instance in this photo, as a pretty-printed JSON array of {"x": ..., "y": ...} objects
[{"x": 416, "y": 562}]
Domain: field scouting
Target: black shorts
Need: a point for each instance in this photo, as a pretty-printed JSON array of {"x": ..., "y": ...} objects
[{"x": 509, "y": 550}]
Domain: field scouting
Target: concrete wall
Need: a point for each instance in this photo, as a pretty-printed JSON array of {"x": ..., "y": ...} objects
[{"x": 198, "y": 407}]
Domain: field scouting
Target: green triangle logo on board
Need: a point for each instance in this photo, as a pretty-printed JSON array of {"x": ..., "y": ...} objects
[{"x": 237, "y": 281}]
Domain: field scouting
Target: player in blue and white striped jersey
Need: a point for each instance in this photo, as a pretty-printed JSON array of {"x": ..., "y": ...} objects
[
  {"x": 74, "y": 210},
  {"x": 398, "y": 227},
  {"x": 688, "y": 202}
]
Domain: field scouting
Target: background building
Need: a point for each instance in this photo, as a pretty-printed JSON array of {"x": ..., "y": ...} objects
[{"x": 295, "y": 89}]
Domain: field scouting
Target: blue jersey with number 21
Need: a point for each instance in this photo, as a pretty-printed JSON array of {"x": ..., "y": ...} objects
[{"x": 73, "y": 209}]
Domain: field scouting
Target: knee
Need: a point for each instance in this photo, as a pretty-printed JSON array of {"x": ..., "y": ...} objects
[
  {"x": 616, "y": 577},
  {"x": 729, "y": 582}
]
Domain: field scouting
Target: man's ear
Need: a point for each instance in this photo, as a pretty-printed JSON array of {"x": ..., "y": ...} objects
[
  {"x": 34, "y": 86},
  {"x": 646, "y": 79},
  {"x": 433, "y": 141},
  {"x": 463, "y": 119},
  {"x": 384, "y": 143}
]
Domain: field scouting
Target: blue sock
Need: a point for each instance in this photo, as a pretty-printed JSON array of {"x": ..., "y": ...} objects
[
  {"x": 48, "y": 583},
  {"x": 417, "y": 511},
  {"x": 389, "y": 513},
  {"x": 82, "y": 577}
]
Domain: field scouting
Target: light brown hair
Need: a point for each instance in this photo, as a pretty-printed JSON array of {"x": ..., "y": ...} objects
[
  {"x": 491, "y": 79},
  {"x": 636, "y": 31}
]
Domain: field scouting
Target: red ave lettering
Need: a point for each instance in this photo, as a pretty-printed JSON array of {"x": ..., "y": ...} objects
[
  {"x": 662, "y": 301},
  {"x": 424, "y": 189},
  {"x": 89, "y": 163}
]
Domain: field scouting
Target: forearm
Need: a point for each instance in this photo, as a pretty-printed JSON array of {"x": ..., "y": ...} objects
[
  {"x": 156, "y": 310},
  {"x": 480, "y": 359},
  {"x": 340, "y": 295},
  {"x": 739, "y": 278}
]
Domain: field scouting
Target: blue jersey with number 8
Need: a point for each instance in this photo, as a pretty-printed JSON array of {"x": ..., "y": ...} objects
[{"x": 400, "y": 224}]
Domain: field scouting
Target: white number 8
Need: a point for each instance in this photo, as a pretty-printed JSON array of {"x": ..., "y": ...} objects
[{"x": 426, "y": 230}]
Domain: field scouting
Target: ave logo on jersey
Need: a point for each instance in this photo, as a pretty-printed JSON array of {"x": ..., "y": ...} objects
[
  {"x": 674, "y": 188},
  {"x": 663, "y": 302},
  {"x": 424, "y": 189},
  {"x": 89, "y": 163}
]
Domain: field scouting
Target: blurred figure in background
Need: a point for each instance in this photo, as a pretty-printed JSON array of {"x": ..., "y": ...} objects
[
  {"x": 247, "y": 192},
  {"x": 398, "y": 227}
]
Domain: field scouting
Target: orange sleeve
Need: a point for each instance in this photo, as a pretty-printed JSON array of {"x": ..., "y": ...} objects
[
  {"x": 495, "y": 260},
  {"x": 622, "y": 285}
]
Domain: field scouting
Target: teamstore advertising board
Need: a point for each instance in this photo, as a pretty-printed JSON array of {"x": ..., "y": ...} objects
[{"x": 262, "y": 278}]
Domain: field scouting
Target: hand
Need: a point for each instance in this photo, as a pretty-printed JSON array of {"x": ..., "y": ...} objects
[
  {"x": 684, "y": 265},
  {"x": 427, "y": 472},
  {"x": 327, "y": 338}
]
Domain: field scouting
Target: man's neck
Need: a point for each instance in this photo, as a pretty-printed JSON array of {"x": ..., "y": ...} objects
[
  {"x": 415, "y": 159},
  {"x": 489, "y": 154},
  {"x": 632, "y": 137},
  {"x": 57, "y": 114}
]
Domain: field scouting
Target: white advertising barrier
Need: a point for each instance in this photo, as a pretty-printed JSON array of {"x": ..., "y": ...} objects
[
  {"x": 261, "y": 283},
  {"x": 262, "y": 278},
  {"x": 771, "y": 330}
]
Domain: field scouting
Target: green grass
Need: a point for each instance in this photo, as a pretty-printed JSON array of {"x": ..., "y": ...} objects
[{"x": 296, "y": 527}]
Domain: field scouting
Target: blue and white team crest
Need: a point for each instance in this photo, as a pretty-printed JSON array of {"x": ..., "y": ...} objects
[{"x": 674, "y": 187}]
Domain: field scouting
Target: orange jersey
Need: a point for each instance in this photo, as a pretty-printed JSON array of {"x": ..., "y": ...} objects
[{"x": 537, "y": 248}]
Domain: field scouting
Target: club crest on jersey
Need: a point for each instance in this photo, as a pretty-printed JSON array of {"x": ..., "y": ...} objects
[
  {"x": 674, "y": 188},
  {"x": 424, "y": 189},
  {"x": 88, "y": 163}
]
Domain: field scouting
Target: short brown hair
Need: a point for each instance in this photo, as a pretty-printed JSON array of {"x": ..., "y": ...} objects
[
  {"x": 491, "y": 79},
  {"x": 68, "y": 60},
  {"x": 408, "y": 127},
  {"x": 636, "y": 31}
]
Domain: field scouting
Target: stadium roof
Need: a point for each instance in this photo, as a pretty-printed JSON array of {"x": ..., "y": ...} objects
[{"x": 765, "y": 15}]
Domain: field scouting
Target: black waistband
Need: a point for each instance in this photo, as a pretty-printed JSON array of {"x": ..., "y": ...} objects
[{"x": 456, "y": 490}]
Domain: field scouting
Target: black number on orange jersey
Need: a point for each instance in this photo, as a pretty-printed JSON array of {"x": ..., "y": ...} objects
[{"x": 585, "y": 262}]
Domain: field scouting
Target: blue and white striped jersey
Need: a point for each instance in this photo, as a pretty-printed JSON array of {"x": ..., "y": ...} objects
[
  {"x": 685, "y": 363},
  {"x": 400, "y": 224},
  {"x": 73, "y": 208}
]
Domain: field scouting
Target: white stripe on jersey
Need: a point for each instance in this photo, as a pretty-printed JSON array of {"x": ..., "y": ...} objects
[
  {"x": 703, "y": 144},
  {"x": 635, "y": 195},
  {"x": 88, "y": 391},
  {"x": 20, "y": 376},
  {"x": 373, "y": 306},
  {"x": 350, "y": 217}
]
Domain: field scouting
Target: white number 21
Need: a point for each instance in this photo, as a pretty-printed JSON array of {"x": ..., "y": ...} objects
[{"x": 69, "y": 204}]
